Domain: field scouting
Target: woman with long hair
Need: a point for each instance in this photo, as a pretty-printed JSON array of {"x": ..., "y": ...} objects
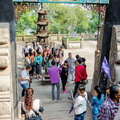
[
  {"x": 38, "y": 64},
  {"x": 50, "y": 59},
  {"x": 64, "y": 75},
  {"x": 46, "y": 61},
  {"x": 31, "y": 107},
  {"x": 26, "y": 60},
  {"x": 96, "y": 102},
  {"x": 31, "y": 57}
]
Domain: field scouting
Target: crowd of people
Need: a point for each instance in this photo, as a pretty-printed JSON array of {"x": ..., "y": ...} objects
[{"x": 53, "y": 63}]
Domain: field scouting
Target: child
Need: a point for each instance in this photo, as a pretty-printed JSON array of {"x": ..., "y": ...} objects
[
  {"x": 83, "y": 62},
  {"x": 80, "y": 104}
]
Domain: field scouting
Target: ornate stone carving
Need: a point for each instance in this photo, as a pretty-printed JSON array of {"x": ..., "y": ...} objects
[
  {"x": 5, "y": 73},
  {"x": 5, "y": 108},
  {"x": 4, "y": 36},
  {"x": 4, "y": 83},
  {"x": 96, "y": 74},
  {"x": 114, "y": 59},
  {"x": 4, "y": 51},
  {"x": 4, "y": 61}
]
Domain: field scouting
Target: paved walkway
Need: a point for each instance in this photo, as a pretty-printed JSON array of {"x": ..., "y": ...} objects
[{"x": 59, "y": 110}]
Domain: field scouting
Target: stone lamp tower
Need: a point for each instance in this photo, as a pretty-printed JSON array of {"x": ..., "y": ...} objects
[{"x": 42, "y": 32}]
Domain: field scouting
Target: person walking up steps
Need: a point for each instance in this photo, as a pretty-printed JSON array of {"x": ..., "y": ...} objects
[{"x": 55, "y": 80}]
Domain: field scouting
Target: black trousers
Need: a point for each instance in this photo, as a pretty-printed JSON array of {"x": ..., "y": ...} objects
[
  {"x": 31, "y": 71},
  {"x": 76, "y": 88},
  {"x": 64, "y": 81}
]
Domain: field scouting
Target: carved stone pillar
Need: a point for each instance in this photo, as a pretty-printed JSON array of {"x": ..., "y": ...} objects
[
  {"x": 8, "y": 71},
  {"x": 114, "y": 60},
  {"x": 6, "y": 88}
]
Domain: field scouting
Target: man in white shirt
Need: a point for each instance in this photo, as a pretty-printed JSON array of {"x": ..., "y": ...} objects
[
  {"x": 71, "y": 67},
  {"x": 38, "y": 46},
  {"x": 25, "y": 49},
  {"x": 80, "y": 104},
  {"x": 25, "y": 79}
]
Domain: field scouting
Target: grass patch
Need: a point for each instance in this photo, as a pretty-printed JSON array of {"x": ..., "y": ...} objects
[{"x": 73, "y": 38}]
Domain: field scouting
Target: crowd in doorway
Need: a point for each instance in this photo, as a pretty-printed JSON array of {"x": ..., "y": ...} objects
[{"x": 51, "y": 61}]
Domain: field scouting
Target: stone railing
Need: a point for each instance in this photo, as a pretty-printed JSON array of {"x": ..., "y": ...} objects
[
  {"x": 53, "y": 37},
  {"x": 72, "y": 44},
  {"x": 28, "y": 38}
]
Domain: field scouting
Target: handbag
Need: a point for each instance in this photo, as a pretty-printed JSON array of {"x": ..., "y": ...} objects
[
  {"x": 36, "y": 117},
  {"x": 85, "y": 82}
]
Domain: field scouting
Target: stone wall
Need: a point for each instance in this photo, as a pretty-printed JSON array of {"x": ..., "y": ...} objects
[
  {"x": 96, "y": 75},
  {"x": 114, "y": 59},
  {"x": 6, "y": 95}
]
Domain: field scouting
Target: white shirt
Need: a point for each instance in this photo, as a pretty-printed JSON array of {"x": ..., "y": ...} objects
[
  {"x": 36, "y": 106},
  {"x": 36, "y": 47},
  {"x": 24, "y": 74},
  {"x": 80, "y": 105},
  {"x": 25, "y": 49}
]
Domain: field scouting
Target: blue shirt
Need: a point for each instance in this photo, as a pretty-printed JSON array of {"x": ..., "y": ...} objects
[
  {"x": 96, "y": 103},
  {"x": 38, "y": 59}
]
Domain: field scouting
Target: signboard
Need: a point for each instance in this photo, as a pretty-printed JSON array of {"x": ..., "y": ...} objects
[{"x": 67, "y": 1}]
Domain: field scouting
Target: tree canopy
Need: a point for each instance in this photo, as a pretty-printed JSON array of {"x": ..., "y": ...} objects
[{"x": 63, "y": 18}]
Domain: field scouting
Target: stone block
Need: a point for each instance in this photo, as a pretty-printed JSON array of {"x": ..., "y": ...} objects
[
  {"x": 4, "y": 36},
  {"x": 118, "y": 58},
  {"x": 4, "y": 61},
  {"x": 5, "y": 83},
  {"x": 117, "y": 72},
  {"x": 5, "y": 108},
  {"x": 4, "y": 52}
]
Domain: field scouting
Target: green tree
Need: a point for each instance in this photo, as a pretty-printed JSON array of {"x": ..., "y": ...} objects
[
  {"x": 26, "y": 23},
  {"x": 66, "y": 18},
  {"x": 93, "y": 23}
]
